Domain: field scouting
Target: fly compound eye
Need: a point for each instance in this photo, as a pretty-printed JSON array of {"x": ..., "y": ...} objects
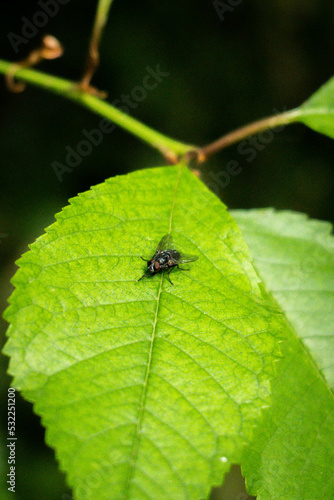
[{"x": 156, "y": 266}]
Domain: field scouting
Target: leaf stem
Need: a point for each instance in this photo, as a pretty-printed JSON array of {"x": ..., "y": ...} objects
[
  {"x": 170, "y": 148},
  {"x": 247, "y": 131}
]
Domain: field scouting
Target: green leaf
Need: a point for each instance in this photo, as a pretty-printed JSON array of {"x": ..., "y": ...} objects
[
  {"x": 147, "y": 390},
  {"x": 318, "y": 111},
  {"x": 292, "y": 453}
]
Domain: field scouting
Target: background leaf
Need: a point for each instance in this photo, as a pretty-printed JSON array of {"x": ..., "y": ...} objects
[
  {"x": 295, "y": 258},
  {"x": 318, "y": 111},
  {"x": 292, "y": 453},
  {"x": 147, "y": 390}
]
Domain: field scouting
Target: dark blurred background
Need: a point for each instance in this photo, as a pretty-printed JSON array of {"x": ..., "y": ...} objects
[{"x": 223, "y": 73}]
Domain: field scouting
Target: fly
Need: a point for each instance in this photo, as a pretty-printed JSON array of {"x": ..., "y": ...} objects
[{"x": 166, "y": 257}]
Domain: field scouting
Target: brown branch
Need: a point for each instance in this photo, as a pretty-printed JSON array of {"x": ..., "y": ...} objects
[{"x": 242, "y": 133}]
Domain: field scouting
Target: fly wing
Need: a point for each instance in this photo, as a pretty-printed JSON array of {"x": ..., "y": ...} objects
[
  {"x": 184, "y": 258},
  {"x": 166, "y": 243}
]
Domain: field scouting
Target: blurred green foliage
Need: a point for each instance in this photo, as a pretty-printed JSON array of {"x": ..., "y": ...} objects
[{"x": 223, "y": 74}]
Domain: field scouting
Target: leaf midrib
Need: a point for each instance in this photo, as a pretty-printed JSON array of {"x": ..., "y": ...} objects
[{"x": 141, "y": 411}]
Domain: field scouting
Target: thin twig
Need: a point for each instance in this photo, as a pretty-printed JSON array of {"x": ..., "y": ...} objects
[
  {"x": 93, "y": 56},
  {"x": 244, "y": 132},
  {"x": 50, "y": 48}
]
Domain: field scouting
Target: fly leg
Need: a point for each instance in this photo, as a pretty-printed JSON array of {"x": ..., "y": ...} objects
[
  {"x": 168, "y": 273},
  {"x": 147, "y": 273},
  {"x": 144, "y": 276},
  {"x": 183, "y": 268}
]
